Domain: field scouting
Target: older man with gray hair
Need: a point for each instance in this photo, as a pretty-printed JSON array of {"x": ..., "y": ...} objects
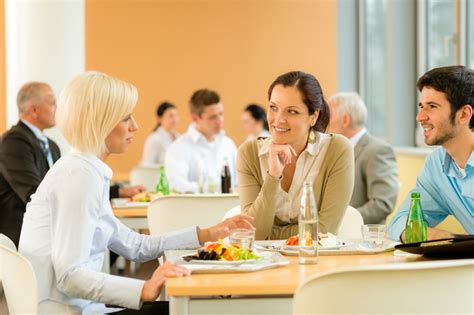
[
  {"x": 376, "y": 182},
  {"x": 26, "y": 154}
]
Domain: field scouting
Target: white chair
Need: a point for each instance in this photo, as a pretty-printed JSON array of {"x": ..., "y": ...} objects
[
  {"x": 351, "y": 224},
  {"x": 7, "y": 242},
  {"x": 145, "y": 176},
  {"x": 441, "y": 287},
  {"x": 19, "y": 282},
  {"x": 169, "y": 213},
  {"x": 231, "y": 213}
]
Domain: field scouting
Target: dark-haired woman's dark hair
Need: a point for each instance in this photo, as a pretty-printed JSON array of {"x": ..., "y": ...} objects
[
  {"x": 312, "y": 93},
  {"x": 258, "y": 113},
  {"x": 160, "y": 111}
]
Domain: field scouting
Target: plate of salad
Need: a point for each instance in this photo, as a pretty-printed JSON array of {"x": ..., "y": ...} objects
[{"x": 222, "y": 254}]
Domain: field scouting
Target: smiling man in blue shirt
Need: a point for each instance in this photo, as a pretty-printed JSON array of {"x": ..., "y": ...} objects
[{"x": 446, "y": 182}]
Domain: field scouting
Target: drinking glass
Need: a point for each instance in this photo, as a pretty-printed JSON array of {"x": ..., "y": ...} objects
[
  {"x": 242, "y": 238},
  {"x": 373, "y": 235}
]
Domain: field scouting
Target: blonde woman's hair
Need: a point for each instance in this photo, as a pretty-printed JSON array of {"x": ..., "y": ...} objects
[{"x": 89, "y": 108}]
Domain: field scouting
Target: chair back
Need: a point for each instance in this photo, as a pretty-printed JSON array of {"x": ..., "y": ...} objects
[
  {"x": 169, "y": 213},
  {"x": 231, "y": 213},
  {"x": 351, "y": 224},
  {"x": 441, "y": 287},
  {"x": 7, "y": 242},
  {"x": 145, "y": 176},
  {"x": 19, "y": 282}
]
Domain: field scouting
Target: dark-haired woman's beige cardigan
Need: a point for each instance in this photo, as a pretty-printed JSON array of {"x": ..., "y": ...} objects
[{"x": 332, "y": 187}]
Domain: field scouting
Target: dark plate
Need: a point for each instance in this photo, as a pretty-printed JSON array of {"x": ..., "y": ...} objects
[{"x": 461, "y": 246}]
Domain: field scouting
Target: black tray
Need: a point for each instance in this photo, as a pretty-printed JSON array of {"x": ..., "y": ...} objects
[{"x": 460, "y": 246}]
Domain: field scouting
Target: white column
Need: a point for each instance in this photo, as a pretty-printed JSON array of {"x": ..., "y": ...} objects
[{"x": 44, "y": 42}]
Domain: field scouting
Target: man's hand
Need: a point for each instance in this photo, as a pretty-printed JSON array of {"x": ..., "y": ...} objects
[
  {"x": 279, "y": 156},
  {"x": 221, "y": 230},
  {"x": 433, "y": 234},
  {"x": 128, "y": 192},
  {"x": 436, "y": 234},
  {"x": 151, "y": 288}
]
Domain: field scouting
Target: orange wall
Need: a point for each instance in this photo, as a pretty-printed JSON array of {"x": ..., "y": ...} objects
[
  {"x": 3, "y": 87},
  {"x": 168, "y": 49}
]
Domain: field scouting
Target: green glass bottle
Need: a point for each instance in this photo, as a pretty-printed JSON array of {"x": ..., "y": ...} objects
[
  {"x": 162, "y": 186},
  {"x": 415, "y": 228}
]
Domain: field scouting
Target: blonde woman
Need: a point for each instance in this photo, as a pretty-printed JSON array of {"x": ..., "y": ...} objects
[
  {"x": 69, "y": 225},
  {"x": 271, "y": 172}
]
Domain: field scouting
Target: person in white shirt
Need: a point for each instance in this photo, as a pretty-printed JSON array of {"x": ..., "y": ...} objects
[
  {"x": 69, "y": 225},
  {"x": 194, "y": 162},
  {"x": 376, "y": 182},
  {"x": 254, "y": 122},
  {"x": 163, "y": 135}
]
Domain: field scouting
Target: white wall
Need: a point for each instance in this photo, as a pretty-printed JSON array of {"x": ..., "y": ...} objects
[{"x": 44, "y": 42}]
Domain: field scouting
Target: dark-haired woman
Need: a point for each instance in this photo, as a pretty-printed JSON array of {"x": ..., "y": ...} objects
[
  {"x": 163, "y": 135},
  {"x": 271, "y": 172},
  {"x": 254, "y": 121}
]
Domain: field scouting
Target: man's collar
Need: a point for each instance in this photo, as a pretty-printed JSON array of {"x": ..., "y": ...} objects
[
  {"x": 448, "y": 163},
  {"x": 356, "y": 138},
  {"x": 196, "y": 135},
  {"x": 38, "y": 133},
  {"x": 470, "y": 161}
]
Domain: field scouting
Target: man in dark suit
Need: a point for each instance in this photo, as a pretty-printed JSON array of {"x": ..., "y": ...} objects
[
  {"x": 376, "y": 183},
  {"x": 26, "y": 154}
]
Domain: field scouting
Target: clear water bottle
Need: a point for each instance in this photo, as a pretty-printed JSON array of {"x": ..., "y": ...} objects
[
  {"x": 202, "y": 177},
  {"x": 308, "y": 227}
]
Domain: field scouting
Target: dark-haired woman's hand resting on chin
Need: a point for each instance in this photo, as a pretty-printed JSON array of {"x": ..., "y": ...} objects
[{"x": 280, "y": 155}]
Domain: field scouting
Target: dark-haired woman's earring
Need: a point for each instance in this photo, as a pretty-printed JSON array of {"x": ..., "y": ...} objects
[{"x": 312, "y": 136}]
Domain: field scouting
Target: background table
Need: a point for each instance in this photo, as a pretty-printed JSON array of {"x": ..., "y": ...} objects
[{"x": 135, "y": 218}]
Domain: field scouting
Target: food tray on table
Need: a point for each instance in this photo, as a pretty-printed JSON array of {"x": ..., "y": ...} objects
[
  {"x": 344, "y": 247},
  {"x": 268, "y": 260}
]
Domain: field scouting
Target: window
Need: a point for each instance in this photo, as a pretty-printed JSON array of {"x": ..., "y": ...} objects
[
  {"x": 441, "y": 33},
  {"x": 374, "y": 65},
  {"x": 470, "y": 33}
]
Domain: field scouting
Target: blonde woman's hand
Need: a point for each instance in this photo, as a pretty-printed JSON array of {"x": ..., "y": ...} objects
[
  {"x": 279, "y": 156},
  {"x": 151, "y": 288},
  {"x": 221, "y": 230}
]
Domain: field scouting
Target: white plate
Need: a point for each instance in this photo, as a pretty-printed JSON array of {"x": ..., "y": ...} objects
[
  {"x": 219, "y": 262},
  {"x": 280, "y": 245},
  {"x": 295, "y": 247}
]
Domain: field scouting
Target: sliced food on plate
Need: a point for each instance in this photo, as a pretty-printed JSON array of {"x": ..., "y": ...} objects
[
  {"x": 222, "y": 252},
  {"x": 145, "y": 196},
  {"x": 324, "y": 240}
]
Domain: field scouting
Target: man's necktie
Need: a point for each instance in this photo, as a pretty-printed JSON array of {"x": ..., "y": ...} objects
[{"x": 46, "y": 150}]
